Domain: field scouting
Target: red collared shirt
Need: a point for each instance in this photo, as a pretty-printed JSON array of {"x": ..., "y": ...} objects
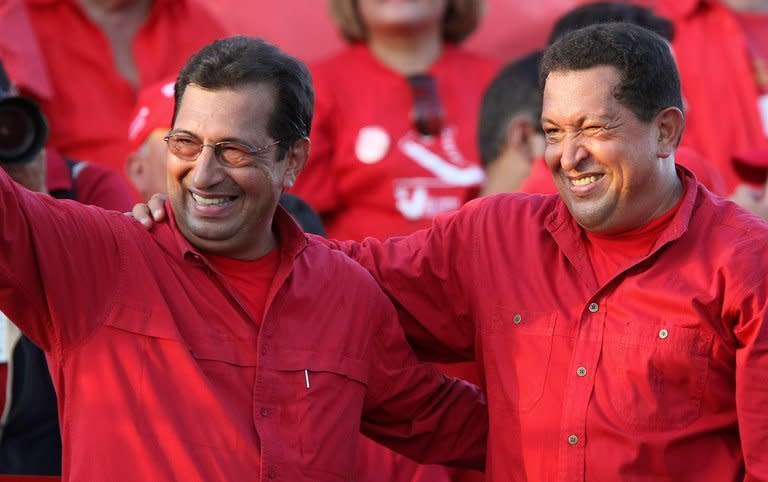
[
  {"x": 92, "y": 104},
  {"x": 160, "y": 374},
  {"x": 661, "y": 373}
]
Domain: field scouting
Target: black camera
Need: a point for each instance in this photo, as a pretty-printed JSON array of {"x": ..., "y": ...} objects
[{"x": 23, "y": 129}]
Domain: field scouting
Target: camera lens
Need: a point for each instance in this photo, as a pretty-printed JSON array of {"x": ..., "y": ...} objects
[
  {"x": 23, "y": 130},
  {"x": 16, "y": 132}
]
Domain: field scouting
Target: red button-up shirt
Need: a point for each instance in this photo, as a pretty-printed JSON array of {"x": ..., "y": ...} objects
[
  {"x": 659, "y": 374},
  {"x": 92, "y": 104},
  {"x": 160, "y": 374}
]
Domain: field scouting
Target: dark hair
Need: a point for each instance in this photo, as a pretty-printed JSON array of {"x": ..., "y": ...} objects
[
  {"x": 514, "y": 91},
  {"x": 648, "y": 77},
  {"x": 605, "y": 12},
  {"x": 239, "y": 61}
]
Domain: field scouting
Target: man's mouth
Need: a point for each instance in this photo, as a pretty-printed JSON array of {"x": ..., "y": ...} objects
[
  {"x": 586, "y": 180},
  {"x": 213, "y": 200}
]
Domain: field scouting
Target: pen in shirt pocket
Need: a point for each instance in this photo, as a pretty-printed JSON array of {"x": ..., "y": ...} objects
[{"x": 306, "y": 377}]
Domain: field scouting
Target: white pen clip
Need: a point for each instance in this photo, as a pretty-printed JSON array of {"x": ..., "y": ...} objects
[{"x": 306, "y": 377}]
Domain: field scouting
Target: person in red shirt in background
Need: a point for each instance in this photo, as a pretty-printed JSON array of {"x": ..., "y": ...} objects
[
  {"x": 622, "y": 322},
  {"x": 98, "y": 54},
  {"x": 753, "y": 166},
  {"x": 721, "y": 47},
  {"x": 509, "y": 134},
  {"x": 393, "y": 139},
  {"x": 540, "y": 179},
  {"x": 146, "y": 164}
]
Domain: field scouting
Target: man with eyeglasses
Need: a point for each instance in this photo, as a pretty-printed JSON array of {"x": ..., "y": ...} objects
[{"x": 226, "y": 344}]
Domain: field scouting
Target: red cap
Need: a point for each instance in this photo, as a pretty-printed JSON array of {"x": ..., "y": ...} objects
[
  {"x": 752, "y": 165},
  {"x": 154, "y": 110}
]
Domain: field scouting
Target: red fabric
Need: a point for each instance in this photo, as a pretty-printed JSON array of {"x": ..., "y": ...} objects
[
  {"x": 19, "y": 51},
  {"x": 250, "y": 279},
  {"x": 365, "y": 174},
  {"x": 93, "y": 185},
  {"x": 92, "y": 103},
  {"x": 610, "y": 254},
  {"x": 160, "y": 374},
  {"x": 507, "y": 280},
  {"x": 540, "y": 181},
  {"x": 718, "y": 81}
]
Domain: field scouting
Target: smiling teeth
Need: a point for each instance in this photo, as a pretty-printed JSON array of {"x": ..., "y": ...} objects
[
  {"x": 210, "y": 201},
  {"x": 584, "y": 181}
]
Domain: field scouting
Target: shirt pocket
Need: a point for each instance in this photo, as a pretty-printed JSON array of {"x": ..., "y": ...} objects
[
  {"x": 517, "y": 346},
  {"x": 180, "y": 394},
  {"x": 659, "y": 374},
  {"x": 321, "y": 402}
]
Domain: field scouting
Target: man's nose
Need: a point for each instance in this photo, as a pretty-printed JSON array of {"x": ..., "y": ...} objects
[{"x": 207, "y": 170}]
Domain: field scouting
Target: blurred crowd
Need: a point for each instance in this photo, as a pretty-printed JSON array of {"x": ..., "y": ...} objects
[{"x": 420, "y": 107}]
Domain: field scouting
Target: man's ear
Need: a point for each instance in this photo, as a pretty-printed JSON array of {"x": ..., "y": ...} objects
[
  {"x": 669, "y": 124},
  {"x": 296, "y": 158},
  {"x": 519, "y": 136}
]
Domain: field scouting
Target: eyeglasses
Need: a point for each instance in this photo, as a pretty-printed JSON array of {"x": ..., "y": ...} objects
[
  {"x": 427, "y": 112},
  {"x": 231, "y": 154}
]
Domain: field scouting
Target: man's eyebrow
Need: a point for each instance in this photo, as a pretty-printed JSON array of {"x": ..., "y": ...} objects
[{"x": 236, "y": 140}]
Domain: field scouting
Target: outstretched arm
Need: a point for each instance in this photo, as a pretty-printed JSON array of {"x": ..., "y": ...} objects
[{"x": 50, "y": 254}]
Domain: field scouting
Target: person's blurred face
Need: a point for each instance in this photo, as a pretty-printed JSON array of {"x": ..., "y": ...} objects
[
  {"x": 606, "y": 162},
  {"x": 146, "y": 168},
  {"x": 402, "y": 15},
  {"x": 222, "y": 209}
]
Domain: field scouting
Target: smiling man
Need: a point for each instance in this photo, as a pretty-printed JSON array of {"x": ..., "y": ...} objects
[
  {"x": 225, "y": 345},
  {"x": 622, "y": 325}
]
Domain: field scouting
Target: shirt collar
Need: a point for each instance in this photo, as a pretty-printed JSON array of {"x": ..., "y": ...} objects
[
  {"x": 291, "y": 237},
  {"x": 561, "y": 217}
]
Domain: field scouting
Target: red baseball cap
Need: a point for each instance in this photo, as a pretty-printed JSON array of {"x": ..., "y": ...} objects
[
  {"x": 154, "y": 110},
  {"x": 752, "y": 165}
]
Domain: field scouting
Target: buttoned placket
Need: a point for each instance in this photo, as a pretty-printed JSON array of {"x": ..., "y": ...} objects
[{"x": 580, "y": 384}]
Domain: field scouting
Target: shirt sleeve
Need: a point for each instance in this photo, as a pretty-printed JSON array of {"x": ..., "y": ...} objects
[
  {"x": 424, "y": 274},
  {"x": 751, "y": 331},
  {"x": 414, "y": 409},
  {"x": 58, "y": 265}
]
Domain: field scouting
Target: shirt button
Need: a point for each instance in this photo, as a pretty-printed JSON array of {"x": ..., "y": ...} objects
[
  {"x": 663, "y": 333},
  {"x": 517, "y": 319},
  {"x": 593, "y": 307},
  {"x": 581, "y": 371},
  {"x": 573, "y": 439},
  {"x": 265, "y": 412}
]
